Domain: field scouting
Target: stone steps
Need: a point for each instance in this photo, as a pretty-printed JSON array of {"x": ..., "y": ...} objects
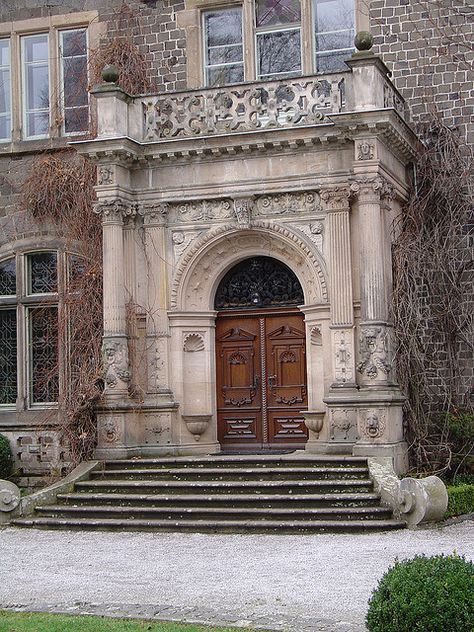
[{"x": 229, "y": 494}]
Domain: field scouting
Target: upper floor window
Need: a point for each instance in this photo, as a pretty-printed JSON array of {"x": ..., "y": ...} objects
[
  {"x": 44, "y": 76},
  {"x": 274, "y": 39},
  {"x": 5, "y": 90}
]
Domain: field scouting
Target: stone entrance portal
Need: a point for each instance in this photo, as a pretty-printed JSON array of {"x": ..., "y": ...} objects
[{"x": 260, "y": 358}]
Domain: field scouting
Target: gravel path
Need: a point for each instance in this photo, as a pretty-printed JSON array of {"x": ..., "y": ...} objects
[{"x": 293, "y": 583}]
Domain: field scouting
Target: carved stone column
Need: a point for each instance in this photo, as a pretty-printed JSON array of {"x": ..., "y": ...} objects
[
  {"x": 157, "y": 329},
  {"x": 115, "y": 347},
  {"x": 375, "y": 361},
  {"x": 340, "y": 273}
]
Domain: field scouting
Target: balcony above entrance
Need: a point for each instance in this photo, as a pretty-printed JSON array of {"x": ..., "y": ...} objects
[{"x": 290, "y": 112}]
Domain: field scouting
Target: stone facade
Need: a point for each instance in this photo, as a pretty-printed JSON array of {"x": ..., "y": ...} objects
[{"x": 316, "y": 187}]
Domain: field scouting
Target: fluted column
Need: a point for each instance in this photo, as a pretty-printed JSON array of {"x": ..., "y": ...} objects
[
  {"x": 337, "y": 207},
  {"x": 375, "y": 362},
  {"x": 115, "y": 346},
  {"x": 157, "y": 327}
]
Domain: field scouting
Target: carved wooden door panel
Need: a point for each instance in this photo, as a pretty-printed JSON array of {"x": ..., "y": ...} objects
[{"x": 261, "y": 381}]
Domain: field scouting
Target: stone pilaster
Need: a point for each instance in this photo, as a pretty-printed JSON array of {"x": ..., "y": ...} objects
[
  {"x": 115, "y": 347},
  {"x": 157, "y": 328},
  {"x": 337, "y": 207},
  {"x": 375, "y": 363}
]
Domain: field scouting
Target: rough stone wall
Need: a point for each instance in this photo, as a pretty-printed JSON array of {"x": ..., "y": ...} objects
[{"x": 429, "y": 46}]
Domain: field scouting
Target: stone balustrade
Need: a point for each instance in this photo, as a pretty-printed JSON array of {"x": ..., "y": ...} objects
[{"x": 249, "y": 107}]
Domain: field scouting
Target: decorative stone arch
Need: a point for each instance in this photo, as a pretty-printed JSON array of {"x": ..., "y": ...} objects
[{"x": 211, "y": 256}]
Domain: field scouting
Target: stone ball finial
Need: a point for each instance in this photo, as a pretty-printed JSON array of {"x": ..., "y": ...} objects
[
  {"x": 110, "y": 73},
  {"x": 364, "y": 40}
]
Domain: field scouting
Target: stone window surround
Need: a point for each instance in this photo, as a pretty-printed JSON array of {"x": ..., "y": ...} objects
[
  {"x": 51, "y": 25},
  {"x": 190, "y": 19},
  {"x": 24, "y": 301}
]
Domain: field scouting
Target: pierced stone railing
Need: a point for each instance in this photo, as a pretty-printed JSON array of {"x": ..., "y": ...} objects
[{"x": 243, "y": 108}]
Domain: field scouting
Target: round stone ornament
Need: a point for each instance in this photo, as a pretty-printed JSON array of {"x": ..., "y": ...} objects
[
  {"x": 9, "y": 496},
  {"x": 364, "y": 40},
  {"x": 110, "y": 73}
]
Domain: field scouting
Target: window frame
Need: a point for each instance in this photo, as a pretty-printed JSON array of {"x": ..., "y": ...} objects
[
  {"x": 24, "y": 302},
  {"x": 24, "y": 88},
  {"x": 52, "y": 25},
  {"x": 190, "y": 19},
  {"x": 62, "y": 106}
]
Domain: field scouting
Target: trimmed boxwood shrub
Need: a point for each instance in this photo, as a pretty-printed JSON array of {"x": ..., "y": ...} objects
[
  {"x": 425, "y": 594},
  {"x": 460, "y": 500},
  {"x": 6, "y": 458}
]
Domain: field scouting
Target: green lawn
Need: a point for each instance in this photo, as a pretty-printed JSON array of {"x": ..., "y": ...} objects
[{"x": 32, "y": 622}]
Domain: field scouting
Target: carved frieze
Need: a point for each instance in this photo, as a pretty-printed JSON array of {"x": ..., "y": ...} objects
[
  {"x": 116, "y": 366},
  {"x": 343, "y": 425},
  {"x": 294, "y": 203},
  {"x": 201, "y": 211},
  {"x": 372, "y": 423},
  {"x": 374, "y": 353}
]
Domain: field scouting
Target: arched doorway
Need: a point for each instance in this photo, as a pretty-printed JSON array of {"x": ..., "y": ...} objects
[{"x": 260, "y": 358}]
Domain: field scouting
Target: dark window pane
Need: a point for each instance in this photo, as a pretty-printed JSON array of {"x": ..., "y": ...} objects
[
  {"x": 8, "y": 348},
  {"x": 76, "y": 270},
  {"x": 279, "y": 53},
  {"x": 74, "y": 43},
  {"x": 4, "y": 91},
  {"x": 333, "y": 15},
  {"x": 43, "y": 273},
  {"x": 335, "y": 41},
  {"x": 75, "y": 81},
  {"x": 5, "y": 127},
  {"x": 44, "y": 378},
  {"x": 273, "y": 12},
  {"x": 222, "y": 75},
  {"x": 8, "y": 278},
  {"x": 223, "y": 27},
  {"x": 76, "y": 120},
  {"x": 332, "y": 62}
]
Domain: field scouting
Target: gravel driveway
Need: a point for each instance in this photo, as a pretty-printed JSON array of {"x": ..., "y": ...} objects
[{"x": 294, "y": 583}]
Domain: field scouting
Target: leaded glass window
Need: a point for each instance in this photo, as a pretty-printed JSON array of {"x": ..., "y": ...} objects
[
  {"x": 224, "y": 60},
  {"x": 334, "y": 28},
  {"x": 278, "y": 37},
  {"x": 258, "y": 282},
  {"x": 8, "y": 356},
  {"x": 42, "y": 273},
  {"x": 43, "y": 343},
  {"x": 8, "y": 277}
]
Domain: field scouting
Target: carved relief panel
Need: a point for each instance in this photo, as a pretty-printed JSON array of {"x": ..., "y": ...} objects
[{"x": 343, "y": 425}]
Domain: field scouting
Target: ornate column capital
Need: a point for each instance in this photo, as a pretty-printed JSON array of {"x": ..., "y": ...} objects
[
  {"x": 336, "y": 198},
  {"x": 243, "y": 207},
  {"x": 114, "y": 211},
  {"x": 376, "y": 187},
  {"x": 154, "y": 213}
]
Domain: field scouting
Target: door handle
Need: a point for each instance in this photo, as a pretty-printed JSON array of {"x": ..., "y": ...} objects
[{"x": 272, "y": 381}]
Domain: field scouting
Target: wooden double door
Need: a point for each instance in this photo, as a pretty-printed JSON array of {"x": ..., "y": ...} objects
[{"x": 261, "y": 380}]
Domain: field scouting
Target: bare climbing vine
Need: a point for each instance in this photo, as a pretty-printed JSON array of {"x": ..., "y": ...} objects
[{"x": 433, "y": 305}]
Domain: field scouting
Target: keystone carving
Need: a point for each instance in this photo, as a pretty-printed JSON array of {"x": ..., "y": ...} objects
[
  {"x": 243, "y": 211},
  {"x": 116, "y": 366},
  {"x": 374, "y": 352}
]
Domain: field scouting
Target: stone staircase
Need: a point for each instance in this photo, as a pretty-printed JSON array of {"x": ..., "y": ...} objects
[{"x": 234, "y": 494}]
